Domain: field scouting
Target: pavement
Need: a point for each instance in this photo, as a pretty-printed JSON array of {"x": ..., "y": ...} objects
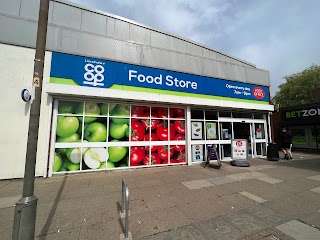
[{"x": 269, "y": 200}]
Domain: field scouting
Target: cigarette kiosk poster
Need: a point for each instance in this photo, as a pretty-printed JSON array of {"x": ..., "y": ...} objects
[
  {"x": 239, "y": 149},
  {"x": 196, "y": 130}
]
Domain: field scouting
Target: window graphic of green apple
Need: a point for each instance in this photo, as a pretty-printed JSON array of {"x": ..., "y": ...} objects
[
  {"x": 72, "y": 166},
  {"x": 94, "y": 157},
  {"x": 104, "y": 108},
  {"x": 118, "y": 131},
  {"x": 117, "y": 153},
  {"x": 95, "y": 132},
  {"x": 73, "y": 138},
  {"x": 66, "y": 126},
  {"x": 57, "y": 163},
  {"x": 90, "y": 108},
  {"x": 74, "y": 155},
  {"x": 121, "y": 111},
  {"x": 66, "y": 107}
]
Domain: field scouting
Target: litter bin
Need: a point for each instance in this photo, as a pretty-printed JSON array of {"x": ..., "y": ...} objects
[{"x": 273, "y": 152}]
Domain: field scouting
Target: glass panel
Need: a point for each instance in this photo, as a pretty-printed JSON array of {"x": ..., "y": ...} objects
[
  {"x": 177, "y": 154},
  {"x": 68, "y": 129},
  {"x": 226, "y": 150},
  {"x": 197, "y": 114},
  {"x": 211, "y": 115},
  {"x": 66, "y": 107},
  {"x": 67, "y": 159},
  {"x": 197, "y": 131},
  {"x": 259, "y": 132},
  {"x": 104, "y": 108},
  {"x": 197, "y": 153},
  {"x": 159, "y": 112},
  {"x": 258, "y": 116},
  {"x": 137, "y": 155},
  {"x": 224, "y": 114},
  {"x": 119, "y": 129},
  {"x": 94, "y": 158},
  {"x": 226, "y": 130},
  {"x": 138, "y": 130},
  {"x": 211, "y": 130},
  {"x": 241, "y": 115},
  {"x": 120, "y": 111},
  {"x": 140, "y": 111},
  {"x": 95, "y": 131},
  {"x": 299, "y": 136},
  {"x": 177, "y": 113},
  {"x": 118, "y": 156}
]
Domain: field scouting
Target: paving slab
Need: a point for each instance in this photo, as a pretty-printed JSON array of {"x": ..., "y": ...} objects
[
  {"x": 169, "y": 218},
  {"x": 270, "y": 217},
  {"x": 253, "y": 197},
  {"x": 220, "y": 229},
  {"x": 316, "y": 177},
  {"x": 270, "y": 180},
  {"x": 245, "y": 222},
  {"x": 196, "y": 184},
  {"x": 220, "y": 180},
  {"x": 299, "y": 230},
  {"x": 6, "y": 202},
  {"x": 316, "y": 190}
]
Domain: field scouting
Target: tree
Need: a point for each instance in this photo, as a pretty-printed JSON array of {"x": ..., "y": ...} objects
[{"x": 298, "y": 88}]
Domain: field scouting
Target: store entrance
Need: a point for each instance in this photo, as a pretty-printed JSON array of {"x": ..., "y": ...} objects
[{"x": 242, "y": 131}]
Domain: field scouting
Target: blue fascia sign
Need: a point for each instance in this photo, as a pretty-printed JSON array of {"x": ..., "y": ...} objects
[{"x": 99, "y": 73}]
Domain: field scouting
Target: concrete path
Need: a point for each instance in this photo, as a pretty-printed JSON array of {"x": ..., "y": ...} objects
[{"x": 269, "y": 200}]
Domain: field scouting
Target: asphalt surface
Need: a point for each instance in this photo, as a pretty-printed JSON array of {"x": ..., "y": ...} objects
[{"x": 268, "y": 200}]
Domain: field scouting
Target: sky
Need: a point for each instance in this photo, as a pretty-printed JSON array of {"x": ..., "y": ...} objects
[{"x": 281, "y": 36}]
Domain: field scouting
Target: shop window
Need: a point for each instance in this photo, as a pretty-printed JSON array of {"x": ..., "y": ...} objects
[
  {"x": 197, "y": 130},
  {"x": 211, "y": 131},
  {"x": 226, "y": 150},
  {"x": 211, "y": 115},
  {"x": 224, "y": 114},
  {"x": 197, "y": 153},
  {"x": 259, "y": 131},
  {"x": 261, "y": 149},
  {"x": 259, "y": 116},
  {"x": 197, "y": 114},
  {"x": 241, "y": 115},
  {"x": 95, "y": 136},
  {"x": 226, "y": 131}
]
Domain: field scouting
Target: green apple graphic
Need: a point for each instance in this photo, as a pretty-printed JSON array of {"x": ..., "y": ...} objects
[
  {"x": 74, "y": 155},
  {"x": 123, "y": 165},
  {"x": 102, "y": 166},
  {"x": 57, "y": 163},
  {"x": 65, "y": 107},
  {"x": 73, "y": 138},
  {"x": 117, "y": 153},
  {"x": 72, "y": 166},
  {"x": 94, "y": 157},
  {"x": 64, "y": 166},
  {"x": 80, "y": 128},
  {"x": 95, "y": 132},
  {"x": 104, "y": 108},
  {"x": 66, "y": 126},
  {"x": 90, "y": 109},
  {"x": 121, "y": 111},
  {"x": 118, "y": 131}
]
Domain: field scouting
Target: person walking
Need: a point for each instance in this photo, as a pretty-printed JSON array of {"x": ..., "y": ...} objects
[{"x": 286, "y": 144}]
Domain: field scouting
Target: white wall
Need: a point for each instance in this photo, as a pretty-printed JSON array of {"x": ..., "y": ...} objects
[{"x": 16, "y": 70}]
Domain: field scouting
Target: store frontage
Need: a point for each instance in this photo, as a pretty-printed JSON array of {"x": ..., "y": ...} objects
[
  {"x": 123, "y": 95},
  {"x": 303, "y": 122},
  {"x": 102, "y": 133}
]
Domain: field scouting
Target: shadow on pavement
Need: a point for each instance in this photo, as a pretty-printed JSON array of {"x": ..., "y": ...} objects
[{"x": 45, "y": 229}]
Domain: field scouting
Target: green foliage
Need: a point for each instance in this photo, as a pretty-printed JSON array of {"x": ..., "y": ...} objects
[{"x": 298, "y": 88}]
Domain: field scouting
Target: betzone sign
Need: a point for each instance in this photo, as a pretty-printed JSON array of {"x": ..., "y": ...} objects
[
  {"x": 304, "y": 113},
  {"x": 91, "y": 72}
]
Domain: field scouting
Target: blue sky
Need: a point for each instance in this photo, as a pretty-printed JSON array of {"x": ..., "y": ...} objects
[{"x": 282, "y": 36}]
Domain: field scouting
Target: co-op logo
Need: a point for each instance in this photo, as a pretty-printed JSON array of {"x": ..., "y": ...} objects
[
  {"x": 94, "y": 73},
  {"x": 258, "y": 93}
]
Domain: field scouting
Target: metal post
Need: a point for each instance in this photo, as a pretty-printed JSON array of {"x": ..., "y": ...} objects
[
  {"x": 126, "y": 232},
  {"x": 26, "y": 207}
]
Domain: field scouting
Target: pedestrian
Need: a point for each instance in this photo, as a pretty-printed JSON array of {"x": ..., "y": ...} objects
[{"x": 286, "y": 144}]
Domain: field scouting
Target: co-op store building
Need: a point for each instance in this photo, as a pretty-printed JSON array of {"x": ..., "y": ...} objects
[{"x": 120, "y": 94}]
